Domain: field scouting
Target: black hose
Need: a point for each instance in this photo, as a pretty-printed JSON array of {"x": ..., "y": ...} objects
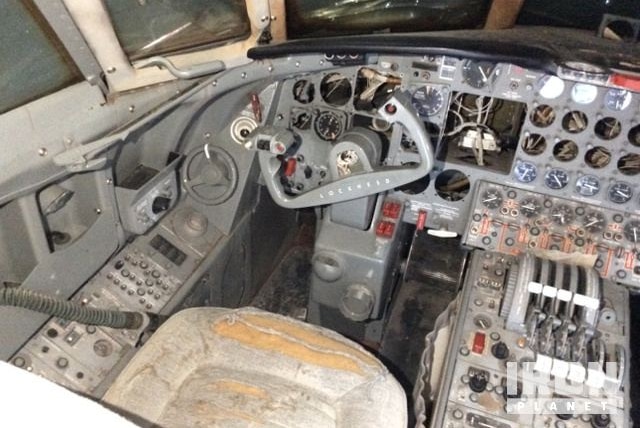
[{"x": 70, "y": 310}]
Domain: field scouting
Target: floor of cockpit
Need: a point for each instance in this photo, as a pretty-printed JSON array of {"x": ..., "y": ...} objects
[{"x": 432, "y": 280}]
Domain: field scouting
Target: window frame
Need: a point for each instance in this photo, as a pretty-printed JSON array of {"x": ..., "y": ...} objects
[{"x": 121, "y": 74}]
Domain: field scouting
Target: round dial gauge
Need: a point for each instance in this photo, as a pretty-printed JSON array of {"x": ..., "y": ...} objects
[
  {"x": 477, "y": 73},
  {"x": 620, "y": 192},
  {"x": 583, "y": 93},
  {"x": 303, "y": 91},
  {"x": 562, "y": 215},
  {"x": 329, "y": 125},
  {"x": 632, "y": 231},
  {"x": 588, "y": 185},
  {"x": 617, "y": 99},
  {"x": 594, "y": 222},
  {"x": 302, "y": 120},
  {"x": 492, "y": 199},
  {"x": 556, "y": 179},
  {"x": 530, "y": 207},
  {"x": 427, "y": 100},
  {"x": 335, "y": 89},
  {"x": 525, "y": 172},
  {"x": 550, "y": 87}
]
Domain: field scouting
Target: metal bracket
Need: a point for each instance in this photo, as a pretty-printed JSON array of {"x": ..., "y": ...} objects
[
  {"x": 191, "y": 72},
  {"x": 65, "y": 28}
]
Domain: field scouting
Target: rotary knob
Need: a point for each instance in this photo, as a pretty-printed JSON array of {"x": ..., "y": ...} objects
[
  {"x": 500, "y": 350},
  {"x": 478, "y": 383},
  {"x": 160, "y": 204}
]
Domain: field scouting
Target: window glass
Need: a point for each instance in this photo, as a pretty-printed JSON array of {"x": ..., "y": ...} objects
[
  {"x": 32, "y": 61},
  {"x": 150, "y": 27},
  {"x": 311, "y": 18}
]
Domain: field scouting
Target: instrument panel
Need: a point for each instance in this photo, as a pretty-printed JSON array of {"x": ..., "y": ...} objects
[{"x": 568, "y": 139}]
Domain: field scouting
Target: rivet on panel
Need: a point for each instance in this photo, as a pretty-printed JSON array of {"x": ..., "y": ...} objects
[{"x": 42, "y": 151}]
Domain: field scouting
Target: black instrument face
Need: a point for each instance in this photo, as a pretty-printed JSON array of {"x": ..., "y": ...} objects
[
  {"x": 530, "y": 207},
  {"x": 594, "y": 222},
  {"x": 329, "y": 125},
  {"x": 492, "y": 199},
  {"x": 335, "y": 89},
  {"x": 303, "y": 91},
  {"x": 620, "y": 192},
  {"x": 556, "y": 179},
  {"x": 562, "y": 215},
  {"x": 427, "y": 100},
  {"x": 477, "y": 73},
  {"x": 632, "y": 231}
]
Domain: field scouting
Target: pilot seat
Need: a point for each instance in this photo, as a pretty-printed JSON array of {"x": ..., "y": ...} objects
[{"x": 216, "y": 367}]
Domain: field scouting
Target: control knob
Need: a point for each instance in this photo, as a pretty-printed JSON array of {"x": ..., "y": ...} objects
[
  {"x": 160, "y": 204},
  {"x": 478, "y": 382},
  {"x": 500, "y": 350}
]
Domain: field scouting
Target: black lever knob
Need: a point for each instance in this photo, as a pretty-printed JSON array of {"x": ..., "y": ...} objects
[
  {"x": 160, "y": 204},
  {"x": 500, "y": 350},
  {"x": 600, "y": 421},
  {"x": 478, "y": 383}
]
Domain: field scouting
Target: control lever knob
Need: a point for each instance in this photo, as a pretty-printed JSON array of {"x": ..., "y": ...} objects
[
  {"x": 600, "y": 421},
  {"x": 160, "y": 204},
  {"x": 478, "y": 383},
  {"x": 500, "y": 350}
]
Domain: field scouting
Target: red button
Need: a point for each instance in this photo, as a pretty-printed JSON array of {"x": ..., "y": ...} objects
[
  {"x": 391, "y": 209},
  {"x": 290, "y": 167},
  {"x": 422, "y": 219},
  {"x": 385, "y": 229},
  {"x": 478, "y": 343}
]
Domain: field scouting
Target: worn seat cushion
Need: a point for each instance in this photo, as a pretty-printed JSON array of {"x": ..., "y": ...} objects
[{"x": 214, "y": 367}]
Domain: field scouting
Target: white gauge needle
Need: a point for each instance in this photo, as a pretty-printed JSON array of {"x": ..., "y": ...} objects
[
  {"x": 624, "y": 195},
  {"x": 555, "y": 177},
  {"x": 484, "y": 76},
  {"x": 592, "y": 222}
]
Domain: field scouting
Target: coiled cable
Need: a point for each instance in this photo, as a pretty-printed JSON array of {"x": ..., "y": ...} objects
[{"x": 71, "y": 311}]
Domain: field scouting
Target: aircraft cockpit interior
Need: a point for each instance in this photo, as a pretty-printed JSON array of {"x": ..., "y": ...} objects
[{"x": 288, "y": 213}]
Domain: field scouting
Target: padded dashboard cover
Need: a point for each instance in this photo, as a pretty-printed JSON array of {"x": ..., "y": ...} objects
[{"x": 537, "y": 47}]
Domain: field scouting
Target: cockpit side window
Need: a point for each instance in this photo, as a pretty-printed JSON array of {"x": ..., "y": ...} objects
[
  {"x": 33, "y": 62},
  {"x": 150, "y": 27}
]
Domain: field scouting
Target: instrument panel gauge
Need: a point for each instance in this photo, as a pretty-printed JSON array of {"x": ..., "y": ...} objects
[
  {"x": 301, "y": 120},
  {"x": 562, "y": 215},
  {"x": 477, "y": 73},
  {"x": 329, "y": 125},
  {"x": 594, "y": 222},
  {"x": 583, "y": 93},
  {"x": 427, "y": 100},
  {"x": 303, "y": 91},
  {"x": 530, "y": 207},
  {"x": 335, "y": 89},
  {"x": 556, "y": 178},
  {"x": 550, "y": 87},
  {"x": 620, "y": 192},
  {"x": 492, "y": 198},
  {"x": 632, "y": 231},
  {"x": 617, "y": 99},
  {"x": 525, "y": 172},
  {"x": 588, "y": 185}
]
